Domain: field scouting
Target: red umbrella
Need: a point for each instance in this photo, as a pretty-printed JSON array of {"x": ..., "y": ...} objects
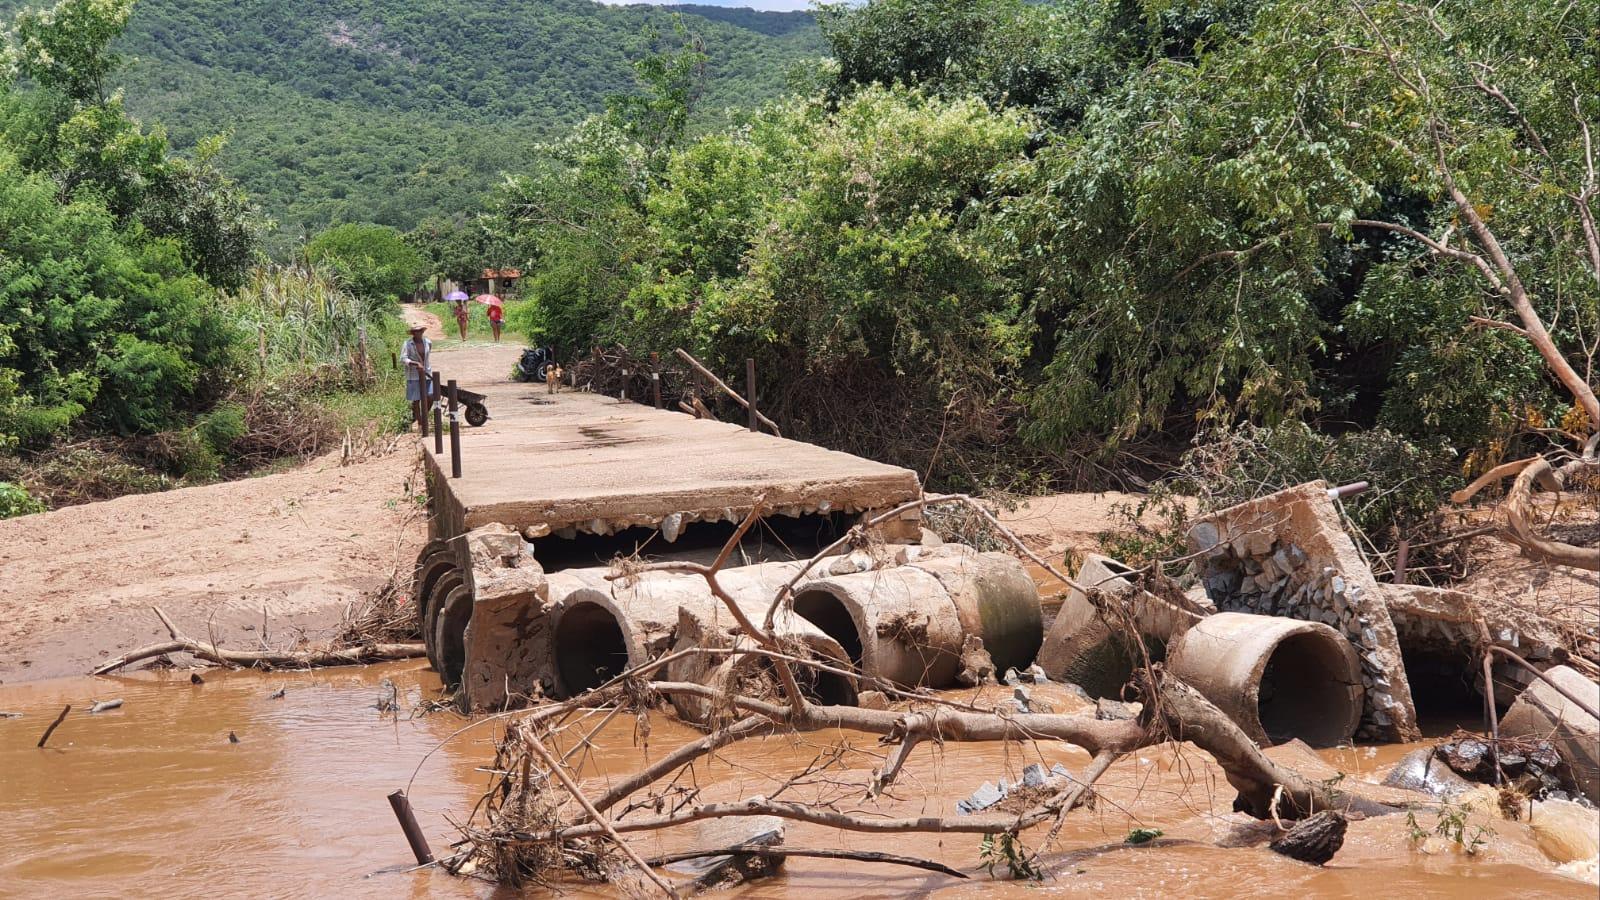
[{"x": 489, "y": 300}]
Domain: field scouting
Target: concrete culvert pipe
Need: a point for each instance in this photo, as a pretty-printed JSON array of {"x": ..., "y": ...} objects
[
  {"x": 590, "y": 647},
  {"x": 752, "y": 589},
  {"x": 1545, "y": 713},
  {"x": 1277, "y": 678},
  {"x": 995, "y": 600},
  {"x": 435, "y": 560},
  {"x": 448, "y": 581},
  {"x": 449, "y": 639},
  {"x": 896, "y": 623},
  {"x": 602, "y": 628}
]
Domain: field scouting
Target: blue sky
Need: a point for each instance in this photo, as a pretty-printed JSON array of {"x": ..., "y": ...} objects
[{"x": 772, "y": 5}]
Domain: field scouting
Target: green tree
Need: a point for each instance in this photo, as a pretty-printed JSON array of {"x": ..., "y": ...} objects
[
  {"x": 459, "y": 250},
  {"x": 97, "y": 320},
  {"x": 374, "y": 261}
]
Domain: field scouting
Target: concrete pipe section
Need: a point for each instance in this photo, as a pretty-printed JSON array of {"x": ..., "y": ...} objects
[
  {"x": 752, "y": 589},
  {"x": 895, "y": 623},
  {"x": 438, "y": 595},
  {"x": 1277, "y": 678},
  {"x": 602, "y": 628},
  {"x": 434, "y": 562},
  {"x": 994, "y": 600}
]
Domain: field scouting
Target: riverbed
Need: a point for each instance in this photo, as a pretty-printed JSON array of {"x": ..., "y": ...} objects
[{"x": 155, "y": 798}]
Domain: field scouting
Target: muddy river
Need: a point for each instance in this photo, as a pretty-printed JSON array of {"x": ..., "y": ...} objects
[{"x": 154, "y": 798}]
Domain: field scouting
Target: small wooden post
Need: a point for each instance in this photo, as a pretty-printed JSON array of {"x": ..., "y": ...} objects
[
  {"x": 438, "y": 424},
  {"x": 625, "y": 376},
  {"x": 394, "y": 360},
  {"x": 655, "y": 377},
  {"x": 750, "y": 392},
  {"x": 455, "y": 433},
  {"x": 413, "y": 831}
]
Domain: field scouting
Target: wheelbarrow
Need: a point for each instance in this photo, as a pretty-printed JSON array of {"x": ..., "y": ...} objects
[{"x": 477, "y": 413}]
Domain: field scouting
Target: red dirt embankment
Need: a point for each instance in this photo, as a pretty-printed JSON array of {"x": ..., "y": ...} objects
[{"x": 293, "y": 549}]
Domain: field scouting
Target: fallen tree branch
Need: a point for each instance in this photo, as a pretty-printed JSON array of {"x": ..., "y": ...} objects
[
  {"x": 599, "y": 820},
  {"x": 723, "y": 386},
  {"x": 1518, "y": 513},
  {"x": 260, "y": 659},
  {"x": 780, "y": 850}
]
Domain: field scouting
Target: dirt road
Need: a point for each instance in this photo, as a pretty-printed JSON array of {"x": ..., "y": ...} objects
[{"x": 282, "y": 554}]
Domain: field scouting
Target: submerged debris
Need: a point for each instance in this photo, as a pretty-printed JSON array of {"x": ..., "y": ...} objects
[{"x": 1314, "y": 839}]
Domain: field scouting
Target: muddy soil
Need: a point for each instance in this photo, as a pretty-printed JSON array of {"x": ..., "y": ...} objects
[
  {"x": 279, "y": 557},
  {"x": 153, "y": 798}
]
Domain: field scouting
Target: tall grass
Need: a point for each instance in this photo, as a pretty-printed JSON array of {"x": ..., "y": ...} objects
[{"x": 301, "y": 318}]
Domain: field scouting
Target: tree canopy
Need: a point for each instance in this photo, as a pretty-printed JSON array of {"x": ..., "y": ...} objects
[
  {"x": 396, "y": 111},
  {"x": 1068, "y": 225},
  {"x": 374, "y": 261}
]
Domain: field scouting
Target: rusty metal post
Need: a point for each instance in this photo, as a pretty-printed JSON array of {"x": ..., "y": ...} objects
[
  {"x": 1401, "y": 557},
  {"x": 423, "y": 386},
  {"x": 455, "y": 432},
  {"x": 655, "y": 377},
  {"x": 438, "y": 423},
  {"x": 413, "y": 831},
  {"x": 750, "y": 392},
  {"x": 1348, "y": 490}
]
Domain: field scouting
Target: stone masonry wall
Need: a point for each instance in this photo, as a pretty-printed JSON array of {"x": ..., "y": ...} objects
[{"x": 1287, "y": 555}]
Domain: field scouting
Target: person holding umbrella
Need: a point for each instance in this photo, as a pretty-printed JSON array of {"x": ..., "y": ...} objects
[
  {"x": 497, "y": 313},
  {"x": 460, "y": 300}
]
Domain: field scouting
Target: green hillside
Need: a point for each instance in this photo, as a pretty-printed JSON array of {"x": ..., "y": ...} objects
[{"x": 393, "y": 110}]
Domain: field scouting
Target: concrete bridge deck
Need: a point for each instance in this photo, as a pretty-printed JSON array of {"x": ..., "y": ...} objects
[{"x": 586, "y": 462}]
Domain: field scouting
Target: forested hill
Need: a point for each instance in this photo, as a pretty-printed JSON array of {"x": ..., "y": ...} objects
[{"x": 394, "y": 110}]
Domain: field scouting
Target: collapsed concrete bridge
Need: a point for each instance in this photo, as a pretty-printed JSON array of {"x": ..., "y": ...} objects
[
  {"x": 521, "y": 593},
  {"x": 517, "y": 589}
]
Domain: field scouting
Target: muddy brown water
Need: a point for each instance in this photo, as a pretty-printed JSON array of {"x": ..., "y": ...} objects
[{"x": 153, "y": 798}]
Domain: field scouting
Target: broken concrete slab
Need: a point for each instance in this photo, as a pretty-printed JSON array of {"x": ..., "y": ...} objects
[
  {"x": 728, "y": 870},
  {"x": 1287, "y": 555},
  {"x": 1420, "y": 771},
  {"x": 551, "y": 461},
  {"x": 1542, "y": 712},
  {"x": 1441, "y": 624},
  {"x": 506, "y": 639}
]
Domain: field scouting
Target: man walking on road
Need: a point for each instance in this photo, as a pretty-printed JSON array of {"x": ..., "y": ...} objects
[{"x": 416, "y": 354}]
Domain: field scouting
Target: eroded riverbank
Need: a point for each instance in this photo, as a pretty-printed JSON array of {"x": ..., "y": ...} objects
[{"x": 154, "y": 798}]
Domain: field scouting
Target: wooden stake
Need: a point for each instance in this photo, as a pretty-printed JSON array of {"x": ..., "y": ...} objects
[
  {"x": 54, "y": 725},
  {"x": 438, "y": 424}
]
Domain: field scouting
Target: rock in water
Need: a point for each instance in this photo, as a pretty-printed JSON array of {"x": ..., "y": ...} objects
[
  {"x": 1315, "y": 839},
  {"x": 1420, "y": 771}
]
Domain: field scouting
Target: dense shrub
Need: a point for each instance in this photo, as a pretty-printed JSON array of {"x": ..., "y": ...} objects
[
  {"x": 373, "y": 262},
  {"x": 16, "y": 501}
]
